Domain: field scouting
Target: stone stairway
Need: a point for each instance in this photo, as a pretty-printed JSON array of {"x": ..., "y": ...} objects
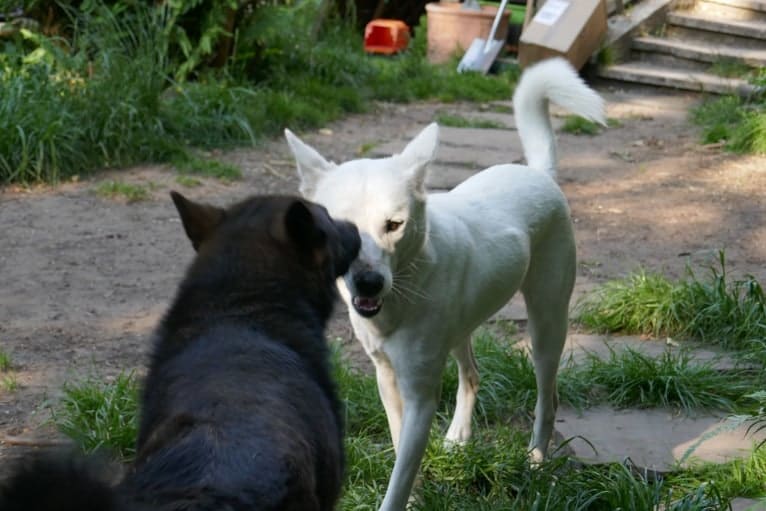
[{"x": 708, "y": 46}]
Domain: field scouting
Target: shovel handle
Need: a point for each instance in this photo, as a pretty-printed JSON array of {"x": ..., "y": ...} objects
[
  {"x": 528, "y": 12},
  {"x": 495, "y": 24}
]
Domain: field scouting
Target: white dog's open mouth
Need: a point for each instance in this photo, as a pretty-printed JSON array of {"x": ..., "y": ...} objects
[{"x": 367, "y": 307}]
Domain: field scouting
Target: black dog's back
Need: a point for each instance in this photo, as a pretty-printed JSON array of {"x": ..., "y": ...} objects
[
  {"x": 245, "y": 417},
  {"x": 238, "y": 410}
]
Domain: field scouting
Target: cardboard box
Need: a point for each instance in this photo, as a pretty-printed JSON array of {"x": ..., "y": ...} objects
[{"x": 572, "y": 29}]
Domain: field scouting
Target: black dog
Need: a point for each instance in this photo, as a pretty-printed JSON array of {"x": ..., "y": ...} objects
[{"x": 239, "y": 411}]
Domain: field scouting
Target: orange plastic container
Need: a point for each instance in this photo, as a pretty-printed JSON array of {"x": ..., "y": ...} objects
[{"x": 386, "y": 36}]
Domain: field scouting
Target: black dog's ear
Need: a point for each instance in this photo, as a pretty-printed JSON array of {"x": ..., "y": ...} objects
[
  {"x": 302, "y": 228},
  {"x": 200, "y": 220}
]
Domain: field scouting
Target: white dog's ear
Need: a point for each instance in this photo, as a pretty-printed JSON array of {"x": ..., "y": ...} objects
[
  {"x": 311, "y": 165},
  {"x": 418, "y": 155}
]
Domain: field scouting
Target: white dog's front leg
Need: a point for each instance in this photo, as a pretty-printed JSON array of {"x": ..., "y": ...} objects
[
  {"x": 459, "y": 431},
  {"x": 416, "y": 425},
  {"x": 389, "y": 395}
]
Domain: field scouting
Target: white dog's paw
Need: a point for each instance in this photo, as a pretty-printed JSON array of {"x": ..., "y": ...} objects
[
  {"x": 450, "y": 444},
  {"x": 536, "y": 458},
  {"x": 457, "y": 436}
]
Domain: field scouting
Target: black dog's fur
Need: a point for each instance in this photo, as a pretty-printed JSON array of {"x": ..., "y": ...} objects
[{"x": 239, "y": 411}]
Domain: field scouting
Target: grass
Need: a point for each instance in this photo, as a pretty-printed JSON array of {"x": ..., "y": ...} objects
[
  {"x": 106, "y": 96},
  {"x": 100, "y": 416},
  {"x": 742, "y": 477},
  {"x": 458, "y": 121},
  {"x": 716, "y": 309},
  {"x": 119, "y": 189},
  {"x": 5, "y": 361},
  {"x": 9, "y": 383},
  {"x": 498, "y": 108},
  {"x": 577, "y": 125},
  {"x": 738, "y": 123},
  {"x": 631, "y": 378},
  {"x": 491, "y": 472},
  {"x": 195, "y": 165},
  {"x": 188, "y": 181},
  {"x": 730, "y": 68},
  {"x": 366, "y": 148}
]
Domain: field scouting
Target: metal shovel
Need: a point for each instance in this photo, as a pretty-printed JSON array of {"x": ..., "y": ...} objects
[{"x": 481, "y": 54}]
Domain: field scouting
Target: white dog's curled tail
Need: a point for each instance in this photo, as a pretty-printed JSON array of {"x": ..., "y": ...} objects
[{"x": 553, "y": 80}]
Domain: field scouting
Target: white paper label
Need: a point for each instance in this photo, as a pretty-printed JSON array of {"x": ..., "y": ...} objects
[{"x": 550, "y": 13}]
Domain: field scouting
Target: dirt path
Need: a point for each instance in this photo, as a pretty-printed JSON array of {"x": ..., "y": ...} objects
[{"x": 84, "y": 279}]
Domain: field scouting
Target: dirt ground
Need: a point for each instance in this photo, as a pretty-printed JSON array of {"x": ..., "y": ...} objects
[{"x": 84, "y": 279}]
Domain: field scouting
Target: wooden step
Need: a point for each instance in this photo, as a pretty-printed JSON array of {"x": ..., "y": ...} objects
[
  {"x": 755, "y": 30},
  {"x": 700, "y": 50},
  {"x": 665, "y": 76}
]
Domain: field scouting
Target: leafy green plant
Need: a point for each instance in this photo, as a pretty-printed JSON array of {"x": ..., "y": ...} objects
[
  {"x": 130, "y": 83},
  {"x": 100, "y": 415}
]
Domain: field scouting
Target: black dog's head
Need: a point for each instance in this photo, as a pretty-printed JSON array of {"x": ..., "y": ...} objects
[{"x": 269, "y": 242}]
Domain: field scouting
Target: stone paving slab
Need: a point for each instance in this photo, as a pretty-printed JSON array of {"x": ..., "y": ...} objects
[
  {"x": 652, "y": 438},
  {"x": 580, "y": 346},
  {"x": 748, "y": 505}
]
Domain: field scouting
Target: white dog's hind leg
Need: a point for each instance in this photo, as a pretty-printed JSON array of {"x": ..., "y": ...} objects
[
  {"x": 548, "y": 331},
  {"x": 389, "y": 395},
  {"x": 459, "y": 431},
  {"x": 547, "y": 289}
]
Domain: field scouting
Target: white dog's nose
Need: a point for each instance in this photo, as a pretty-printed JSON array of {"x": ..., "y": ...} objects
[{"x": 368, "y": 283}]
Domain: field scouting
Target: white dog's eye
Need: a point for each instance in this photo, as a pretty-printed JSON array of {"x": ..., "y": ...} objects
[{"x": 393, "y": 225}]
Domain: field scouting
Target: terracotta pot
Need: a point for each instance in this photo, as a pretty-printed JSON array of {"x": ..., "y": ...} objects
[{"x": 452, "y": 29}]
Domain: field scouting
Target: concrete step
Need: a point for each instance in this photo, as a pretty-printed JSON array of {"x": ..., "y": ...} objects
[
  {"x": 709, "y": 38},
  {"x": 701, "y": 51},
  {"x": 727, "y": 11},
  {"x": 753, "y": 5},
  {"x": 699, "y": 20},
  {"x": 670, "y": 76}
]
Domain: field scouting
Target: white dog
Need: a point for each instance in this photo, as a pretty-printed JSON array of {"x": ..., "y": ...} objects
[{"x": 432, "y": 268}]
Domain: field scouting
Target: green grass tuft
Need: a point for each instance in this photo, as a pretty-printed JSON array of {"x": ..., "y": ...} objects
[
  {"x": 9, "y": 382},
  {"x": 739, "y": 123},
  {"x": 5, "y": 361},
  {"x": 634, "y": 379},
  {"x": 717, "y": 309},
  {"x": 208, "y": 168},
  {"x": 128, "y": 191},
  {"x": 188, "y": 181},
  {"x": 577, "y": 125},
  {"x": 100, "y": 415},
  {"x": 458, "y": 121},
  {"x": 730, "y": 68},
  {"x": 737, "y": 478}
]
